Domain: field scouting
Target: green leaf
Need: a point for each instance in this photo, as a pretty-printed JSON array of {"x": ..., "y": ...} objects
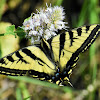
[
  {"x": 20, "y": 32},
  {"x": 42, "y": 83},
  {"x": 27, "y": 18},
  {"x": 18, "y": 94},
  {"x": 27, "y": 98},
  {"x": 10, "y": 30}
]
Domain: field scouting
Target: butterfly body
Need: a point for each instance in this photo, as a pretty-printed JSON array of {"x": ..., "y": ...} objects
[{"x": 51, "y": 60}]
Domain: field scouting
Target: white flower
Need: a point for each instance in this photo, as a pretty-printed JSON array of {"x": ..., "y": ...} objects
[
  {"x": 52, "y": 27},
  {"x": 47, "y": 34},
  {"x": 45, "y": 23},
  {"x": 28, "y": 25},
  {"x": 58, "y": 13},
  {"x": 59, "y": 25},
  {"x": 36, "y": 20},
  {"x": 32, "y": 33},
  {"x": 41, "y": 32}
]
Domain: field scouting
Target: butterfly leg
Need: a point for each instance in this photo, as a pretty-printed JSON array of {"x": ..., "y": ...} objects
[{"x": 70, "y": 83}]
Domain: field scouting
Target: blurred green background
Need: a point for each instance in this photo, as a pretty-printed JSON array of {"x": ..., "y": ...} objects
[{"x": 85, "y": 77}]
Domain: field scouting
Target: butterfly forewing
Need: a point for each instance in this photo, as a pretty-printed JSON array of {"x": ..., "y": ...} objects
[
  {"x": 29, "y": 58},
  {"x": 73, "y": 42}
]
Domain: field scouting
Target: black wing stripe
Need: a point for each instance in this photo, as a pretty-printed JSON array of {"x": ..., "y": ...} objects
[
  {"x": 2, "y": 61},
  {"x": 79, "y": 31},
  {"x": 46, "y": 49},
  {"x": 91, "y": 38},
  {"x": 10, "y": 58},
  {"x": 87, "y": 28},
  {"x": 18, "y": 55},
  {"x": 62, "y": 41},
  {"x": 8, "y": 71},
  {"x": 73, "y": 59},
  {"x": 28, "y": 52},
  {"x": 51, "y": 51},
  {"x": 39, "y": 74},
  {"x": 16, "y": 72},
  {"x": 20, "y": 58},
  {"x": 71, "y": 37}
]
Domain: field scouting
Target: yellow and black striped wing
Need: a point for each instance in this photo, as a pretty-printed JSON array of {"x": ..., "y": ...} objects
[
  {"x": 67, "y": 46},
  {"x": 52, "y": 60},
  {"x": 31, "y": 60}
]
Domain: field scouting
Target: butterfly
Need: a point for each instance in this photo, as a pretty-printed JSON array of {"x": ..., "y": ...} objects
[{"x": 52, "y": 60}]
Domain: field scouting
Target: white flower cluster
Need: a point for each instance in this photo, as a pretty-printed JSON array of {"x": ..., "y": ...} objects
[{"x": 45, "y": 23}]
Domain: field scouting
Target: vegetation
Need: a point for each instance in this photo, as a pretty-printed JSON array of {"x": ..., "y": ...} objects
[{"x": 85, "y": 77}]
